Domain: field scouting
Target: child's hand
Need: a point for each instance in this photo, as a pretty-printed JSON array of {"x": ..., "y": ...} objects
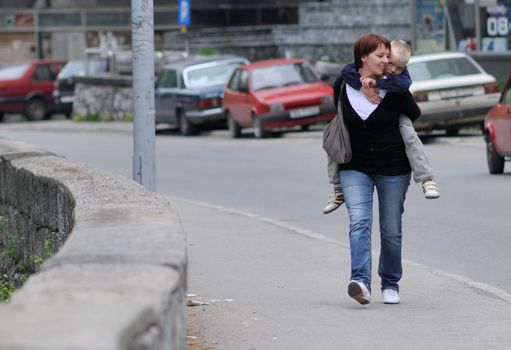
[
  {"x": 368, "y": 82},
  {"x": 371, "y": 94}
]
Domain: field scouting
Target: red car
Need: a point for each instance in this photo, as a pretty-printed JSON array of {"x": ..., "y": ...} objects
[
  {"x": 28, "y": 88},
  {"x": 274, "y": 95},
  {"x": 497, "y": 132}
]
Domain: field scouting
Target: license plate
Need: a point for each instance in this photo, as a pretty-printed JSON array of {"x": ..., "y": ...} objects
[
  {"x": 67, "y": 99},
  {"x": 304, "y": 112},
  {"x": 455, "y": 93}
]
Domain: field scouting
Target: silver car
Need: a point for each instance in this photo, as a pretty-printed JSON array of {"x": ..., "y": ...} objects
[{"x": 452, "y": 90}]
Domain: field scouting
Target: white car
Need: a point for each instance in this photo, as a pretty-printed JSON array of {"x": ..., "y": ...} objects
[{"x": 452, "y": 91}]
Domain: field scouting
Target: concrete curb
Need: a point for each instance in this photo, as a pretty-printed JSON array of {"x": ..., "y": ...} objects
[{"x": 118, "y": 281}]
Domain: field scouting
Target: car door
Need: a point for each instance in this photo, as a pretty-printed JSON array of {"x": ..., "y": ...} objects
[
  {"x": 165, "y": 96},
  {"x": 502, "y": 121},
  {"x": 233, "y": 97},
  {"x": 244, "y": 104},
  {"x": 42, "y": 81}
]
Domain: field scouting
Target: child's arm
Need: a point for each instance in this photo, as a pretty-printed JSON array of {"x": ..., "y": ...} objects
[
  {"x": 395, "y": 83},
  {"x": 409, "y": 107},
  {"x": 350, "y": 74}
]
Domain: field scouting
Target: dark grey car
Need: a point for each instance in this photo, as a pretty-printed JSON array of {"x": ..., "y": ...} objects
[{"x": 189, "y": 93}]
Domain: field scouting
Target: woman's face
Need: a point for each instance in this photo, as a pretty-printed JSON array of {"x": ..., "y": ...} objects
[{"x": 376, "y": 62}]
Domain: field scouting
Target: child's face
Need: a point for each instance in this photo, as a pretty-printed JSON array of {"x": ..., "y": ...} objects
[{"x": 395, "y": 66}]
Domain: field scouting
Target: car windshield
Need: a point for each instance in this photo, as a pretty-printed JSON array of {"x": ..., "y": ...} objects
[
  {"x": 211, "y": 75},
  {"x": 281, "y": 75},
  {"x": 441, "y": 69},
  {"x": 77, "y": 68},
  {"x": 13, "y": 72}
]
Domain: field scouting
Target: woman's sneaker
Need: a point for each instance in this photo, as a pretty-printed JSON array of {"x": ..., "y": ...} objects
[
  {"x": 430, "y": 189},
  {"x": 390, "y": 296},
  {"x": 359, "y": 292},
  {"x": 334, "y": 201}
]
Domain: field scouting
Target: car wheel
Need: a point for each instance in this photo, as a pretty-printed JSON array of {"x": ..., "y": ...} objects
[
  {"x": 186, "y": 128},
  {"x": 36, "y": 109},
  {"x": 495, "y": 161},
  {"x": 452, "y": 131},
  {"x": 305, "y": 127},
  {"x": 234, "y": 127},
  {"x": 2, "y": 116},
  {"x": 259, "y": 131}
]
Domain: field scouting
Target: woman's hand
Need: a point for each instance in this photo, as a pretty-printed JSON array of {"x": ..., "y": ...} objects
[{"x": 371, "y": 94}]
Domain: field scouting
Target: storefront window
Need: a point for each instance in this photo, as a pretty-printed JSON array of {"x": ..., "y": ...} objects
[
  {"x": 104, "y": 19},
  {"x": 60, "y": 20}
]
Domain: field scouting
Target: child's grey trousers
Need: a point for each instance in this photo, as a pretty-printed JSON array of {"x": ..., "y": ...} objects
[{"x": 419, "y": 162}]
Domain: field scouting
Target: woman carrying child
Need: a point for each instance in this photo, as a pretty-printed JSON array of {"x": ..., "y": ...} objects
[{"x": 379, "y": 161}]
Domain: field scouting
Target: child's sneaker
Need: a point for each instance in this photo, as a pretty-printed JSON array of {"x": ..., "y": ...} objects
[
  {"x": 430, "y": 189},
  {"x": 334, "y": 201}
]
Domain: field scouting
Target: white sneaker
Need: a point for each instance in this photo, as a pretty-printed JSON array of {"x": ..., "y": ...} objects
[
  {"x": 334, "y": 201},
  {"x": 390, "y": 296},
  {"x": 359, "y": 292},
  {"x": 430, "y": 189}
]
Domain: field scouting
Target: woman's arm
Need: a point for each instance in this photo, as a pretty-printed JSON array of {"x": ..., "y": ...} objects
[{"x": 408, "y": 106}]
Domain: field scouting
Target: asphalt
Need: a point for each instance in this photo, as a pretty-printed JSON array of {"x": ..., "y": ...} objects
[{"x": 257, "y": 283}]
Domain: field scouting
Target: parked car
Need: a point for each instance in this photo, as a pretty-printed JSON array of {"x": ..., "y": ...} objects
[
  {"x": 189, "y": 93},
  {"x": 274, "y": 95},
  {"x": 64, "y": 93},
  {"x": 497, "y": 132},
  {"x": 452, "y": 91},
  {"x": 28, "y": 88}
]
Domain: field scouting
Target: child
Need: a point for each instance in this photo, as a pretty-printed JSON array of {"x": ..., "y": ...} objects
[{"x": 397, "y": 80}]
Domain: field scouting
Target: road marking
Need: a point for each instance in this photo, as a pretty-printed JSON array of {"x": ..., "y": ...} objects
[{"x": 484, "y": 287}]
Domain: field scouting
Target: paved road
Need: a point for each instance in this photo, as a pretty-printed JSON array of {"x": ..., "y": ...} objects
[
  {"x": 465, "y": 233},
  {"x": 270, "y": 286}
]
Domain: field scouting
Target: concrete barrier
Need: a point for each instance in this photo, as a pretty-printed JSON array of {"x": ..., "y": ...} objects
[
  {"x": 119, "y": 278},
  {"x": 104, "y": 98}
]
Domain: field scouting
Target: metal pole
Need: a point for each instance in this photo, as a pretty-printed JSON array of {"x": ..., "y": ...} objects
[
  {"x": 413, "y": 17},
  {"x": 142, "y": 27},
  {"x": 477, "y": 24}
]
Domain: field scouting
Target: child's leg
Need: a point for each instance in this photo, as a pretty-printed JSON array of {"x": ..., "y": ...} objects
[
  {"x": 336, "y": 198},
  {"x": 333, "y": 172},
  {"x": 415, "y": 151}
]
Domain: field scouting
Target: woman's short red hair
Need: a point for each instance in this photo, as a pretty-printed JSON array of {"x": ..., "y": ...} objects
[{"x": 366, "y": 44}]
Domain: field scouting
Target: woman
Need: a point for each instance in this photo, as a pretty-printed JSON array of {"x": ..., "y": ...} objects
[{"x": 378, "y": 161}]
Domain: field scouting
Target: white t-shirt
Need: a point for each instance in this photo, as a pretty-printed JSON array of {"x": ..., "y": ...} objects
[{"x": 360, "y": 103}]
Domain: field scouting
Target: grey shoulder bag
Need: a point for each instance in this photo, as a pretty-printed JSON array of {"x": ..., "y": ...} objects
[{"x": 336, "y": 138}]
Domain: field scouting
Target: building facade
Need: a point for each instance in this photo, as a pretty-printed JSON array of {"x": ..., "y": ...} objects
[{"x": 62, "y": 29}]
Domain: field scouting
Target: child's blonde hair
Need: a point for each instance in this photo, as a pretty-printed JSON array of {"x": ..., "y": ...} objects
[{"x": 401, "y": 50}]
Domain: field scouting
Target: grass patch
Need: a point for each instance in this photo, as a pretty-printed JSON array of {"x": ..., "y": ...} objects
[
  {"x": 86, "y": 118},
  {"x": 96, "y": 118},
  {"x": 15, "y": 264}
]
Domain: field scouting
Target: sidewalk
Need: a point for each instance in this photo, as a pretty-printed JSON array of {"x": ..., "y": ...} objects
[{"x": 268, "y": 287}]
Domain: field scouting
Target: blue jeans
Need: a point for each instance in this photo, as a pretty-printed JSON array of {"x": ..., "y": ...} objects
[{"x": 358, "y": 191}]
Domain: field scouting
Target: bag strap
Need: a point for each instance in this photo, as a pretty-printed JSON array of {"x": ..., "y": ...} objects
[{"x": 339, "y": 104}]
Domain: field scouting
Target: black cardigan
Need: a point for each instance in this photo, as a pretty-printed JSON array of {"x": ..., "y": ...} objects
[{"x": 376, "y": 143}]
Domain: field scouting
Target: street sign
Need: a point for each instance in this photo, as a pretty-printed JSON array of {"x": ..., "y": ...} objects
[{"x": 184, "y": 12}]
